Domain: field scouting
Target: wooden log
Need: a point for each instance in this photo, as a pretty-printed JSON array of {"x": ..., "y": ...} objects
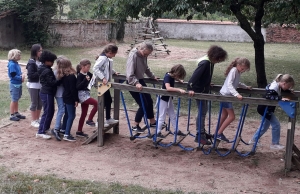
[
  {"x": 160, "y": 38},
  {"x": 116, "y": 107},
  {"x": 100, "y": 120},
  {"x": 290, "y": 142},
  {"x": 95, "y": 134}
]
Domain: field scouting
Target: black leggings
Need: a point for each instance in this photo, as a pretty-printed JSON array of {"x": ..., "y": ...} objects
[
  {"x": 107, "y": 103},
  {"x": 148, "y": 102}
]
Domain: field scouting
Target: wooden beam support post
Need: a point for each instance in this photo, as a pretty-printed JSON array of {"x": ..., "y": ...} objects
[
  {"x": 100, "y": 120},
  {"x": 290, "y": 142},
  {"x": 116, "y": 108}
]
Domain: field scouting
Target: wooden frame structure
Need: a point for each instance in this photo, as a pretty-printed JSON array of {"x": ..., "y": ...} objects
[{"x": 117, "y": 86}]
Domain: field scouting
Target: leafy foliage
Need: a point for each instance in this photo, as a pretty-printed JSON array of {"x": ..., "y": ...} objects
[{"x": 35, "y": 15}]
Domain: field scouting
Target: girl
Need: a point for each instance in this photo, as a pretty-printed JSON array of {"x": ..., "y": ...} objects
[
  {"x": 273, "y": 92},
  {"x": 166, "y": 104},
  {"x": 233, "y": 73},
  {"x": 33, "y": 84},
  {"x": 15, "y": 86},
  {"x": 48, "y": 90},
  {"x": 70, "y": 95},
  {"x": 59, "y": 101},
  {"x": 103, "y": 69},
  {"x": 83, "y": 80}
]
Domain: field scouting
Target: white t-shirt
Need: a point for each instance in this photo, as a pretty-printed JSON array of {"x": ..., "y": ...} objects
[{"x": 231, "y": 83}]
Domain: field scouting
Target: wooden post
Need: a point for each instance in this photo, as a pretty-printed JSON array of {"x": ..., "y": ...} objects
[
  {"x": 100, "y": 120},
  {"x": 116, "y": 108},
  {"x": 290, "y": 142}
]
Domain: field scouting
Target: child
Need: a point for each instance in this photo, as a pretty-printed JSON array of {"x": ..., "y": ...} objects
[
  {"x": 33, "y": 84},
  {"x": 48, "y": 90},
  {"x": 67, "y": 73},
  {"x": 83, "y": 79},
  {"x": 233, "y": 73},
  {"x": 273, "y": 92},
  {"x": 200, "y": 82},
  {"x": 103, "y": 69},
  {"x": 15, "y": 86},
  {"x": 60, "y": 103},
  {"x": 166, "y": 104}
]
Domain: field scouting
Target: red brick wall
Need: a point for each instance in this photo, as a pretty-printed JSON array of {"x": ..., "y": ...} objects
[{"x": 283, "y": 34}]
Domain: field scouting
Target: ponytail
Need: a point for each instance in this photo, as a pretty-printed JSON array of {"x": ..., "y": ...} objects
[{"x": 232, "y": 64}]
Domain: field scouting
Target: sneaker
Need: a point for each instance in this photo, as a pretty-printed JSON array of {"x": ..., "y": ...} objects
[
  {"x": 252, "y": 142},
  {"x": 138, "y": 129},
  {"x": 69, "y": 138},
  {"x": 277, "y": 147},
  {"x": 203, "y": 140},
  {"x": 159, "y": 135},
  {"x": 180, "y": 133},
  {"x": 17, "y": 114},
  {"x": 111, "y": 121},
  {"x": 222, "y": 137},
  {"x": 81, "y": 134},
  {"x": 55, "y": 132},
  {"x": 153, "y": 125},
  {"x": 90, "y": 123},
  {"x": 62, "y": 131},
  {"x": 43, "y": 136},
  {"x": 35, "y": 124},
  {"x": 13, "y": 118}
]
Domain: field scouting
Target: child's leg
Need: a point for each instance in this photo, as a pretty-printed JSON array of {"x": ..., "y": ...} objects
[
  {"x": 172, "y": 114},
  {"x": 275, "y": 129},
  {"x": 163, "y": 106},
  {"x": 202, "y": 115},
  {"x": 42, "y": 127},
  {"x": 60, "y": 112},
  {"x": 34, "y": 95},
  {"x": 265, "y": 127},
  {"x": 94, "y": 103},
  {"x": 84, "y": 110},
  {"x": 140, "y": 113},
  {"x": 71, "y": 109},
  {"x": 149, "y": 107},
  {"x": 227, "y": 120},
  {"x": 50, "y": 113},
  {"x": 107, "y": 103},
  {"x": 224, "y": 116},
  {"x": 13, "y": 107}
]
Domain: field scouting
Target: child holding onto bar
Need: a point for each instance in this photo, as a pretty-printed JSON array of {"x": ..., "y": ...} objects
[
  {"x": 273, "y": 92},
  {"x": 178, "y": 73}
]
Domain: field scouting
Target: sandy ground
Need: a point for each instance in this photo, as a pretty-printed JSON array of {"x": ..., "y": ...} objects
[{"x": 139, "y": 162}]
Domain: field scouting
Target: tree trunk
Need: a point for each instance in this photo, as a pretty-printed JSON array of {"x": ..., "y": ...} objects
[
  {"x": 261, "y": 79},
  {"x": 120, "y": 31}
]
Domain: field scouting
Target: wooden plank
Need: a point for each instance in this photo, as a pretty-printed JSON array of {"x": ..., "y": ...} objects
[
  {"x": 100, "y": 120},
  {"x": 290, "y": 142},
  {"x": 296, "y": 150},
  {"x": 95, "y": 134},
  {"x": 116, "y": 107},
  {"x": 160, "y": 38},
  {"x": 103, "y": 88}
]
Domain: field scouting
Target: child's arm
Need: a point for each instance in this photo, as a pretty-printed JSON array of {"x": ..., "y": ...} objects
[
  {"x": 98, "y": 67},
  {"x": 49, "y": 78},
  {"x": 172, "y": 89},
  {"x": 31, "y": 71},
  {"x": 198, "y": 73},
  {"x": 82, "y": 82},
  {"x": 13, "y": 73}
]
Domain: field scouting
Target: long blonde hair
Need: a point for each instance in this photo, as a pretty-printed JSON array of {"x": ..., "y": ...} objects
[
  {"x": 64, "y": 67},
  {"x": 286, "y": 78},
  {"x": 238, "y": 61}
]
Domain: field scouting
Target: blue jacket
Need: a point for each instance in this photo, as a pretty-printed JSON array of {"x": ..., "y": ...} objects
[{"x": 14, "y": 72}]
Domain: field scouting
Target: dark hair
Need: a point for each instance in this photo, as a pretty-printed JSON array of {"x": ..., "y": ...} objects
[
  {"x": 82, "y": 63},
  {"x": 216, "y": 53},
  {"x": 178, "y": 71},
  {"x": 47, "y": 56},
  {"x": 108, "y": 48},
  {"x": 238, "y": 61},
  {"x": 34, "y": 50}
]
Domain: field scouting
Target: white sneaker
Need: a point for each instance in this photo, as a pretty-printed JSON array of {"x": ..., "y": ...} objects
[
  {"x": 105, "y": 124},
  {"x": 44, "y": 136},
  {"x": 252, "y": 142},
  {"x": 35, "y": 124},
  {"x": 111, "y": 121},
  {"x": 277, "y": 147}
]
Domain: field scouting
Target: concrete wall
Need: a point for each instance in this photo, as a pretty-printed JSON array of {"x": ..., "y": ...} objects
[
  {"x": 79, "y": 33},
  {"x": 10, "y": 31},
  {"x": 210, "y": 31}
]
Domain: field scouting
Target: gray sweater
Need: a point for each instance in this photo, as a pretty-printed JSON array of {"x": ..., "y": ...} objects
[{"x": 136, "y": 67}]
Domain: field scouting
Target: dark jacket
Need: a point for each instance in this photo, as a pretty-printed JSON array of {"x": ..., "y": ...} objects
[
  {"x": 82, "y": 83},
  {"x": 201, "y": 78},
  {"x": 47, "y": 80},
  {"x": 70, "y": 95},
  {"x": 32, "y": 71}
]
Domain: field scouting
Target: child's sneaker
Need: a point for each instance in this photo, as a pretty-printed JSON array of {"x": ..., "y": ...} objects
[
  {"x": 159, "y": 135},
  {"x": 69, "y": 138},
  {"x": 55, "y": 132},
  {"x": 90, "y": 123},
  {"x": 81, "y": 134},
  {"x": 13, "y": 118},
  {"x": 35, "y": 124},
  {"x": 153, "y": 125},
  {"x": 17, "y": 114},
  {"x": 44, "y": 136},
  {"x": 180, "y": 133},
  {"x": 62, "y": 131},
  {"x": 111, "y": 121},
  {"x": 138, "y": 129},
  {"x": 222, "y": 137},
  {"x": 277, "y": 147},
  {"x": 252, "y": 142},
  {"x": 203, "y": 139}
]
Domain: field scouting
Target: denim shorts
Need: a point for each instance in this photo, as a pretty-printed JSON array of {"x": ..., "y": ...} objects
[
  {"x": 15, "y": 92},
  {"x": 227, "y": 105}
]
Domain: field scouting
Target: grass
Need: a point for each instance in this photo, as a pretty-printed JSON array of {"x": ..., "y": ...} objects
[{"x": 14, "y": 182}]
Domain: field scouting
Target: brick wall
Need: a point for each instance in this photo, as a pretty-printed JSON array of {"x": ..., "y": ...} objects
[{"x": 278, "y": 34}]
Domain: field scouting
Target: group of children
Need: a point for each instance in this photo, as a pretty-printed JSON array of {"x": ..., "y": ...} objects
[
  {"x": 63, "y": 83},
  {"x": 70, "y": 87}
]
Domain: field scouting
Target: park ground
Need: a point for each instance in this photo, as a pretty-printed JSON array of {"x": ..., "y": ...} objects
[{"x": 138, "y": 162}]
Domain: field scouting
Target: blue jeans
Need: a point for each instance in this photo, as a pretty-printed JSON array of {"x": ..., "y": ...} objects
[
  {"x": 70, "y": 112},
  {"x": 202, "y": 115},
  {"x": 60, "y": 112},
  {"x": 275, "y": 129}
]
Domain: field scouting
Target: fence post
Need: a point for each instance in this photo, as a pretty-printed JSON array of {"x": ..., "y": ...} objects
[
  {"x": 100, "y": 120},
  {"x": 290, "y": 141},
  {"x": 116, "y": 108}
]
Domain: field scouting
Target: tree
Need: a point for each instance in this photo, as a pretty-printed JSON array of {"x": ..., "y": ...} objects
[
  {"x": 251, "y": 15},
  {"x": 35, "y": 15}
]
